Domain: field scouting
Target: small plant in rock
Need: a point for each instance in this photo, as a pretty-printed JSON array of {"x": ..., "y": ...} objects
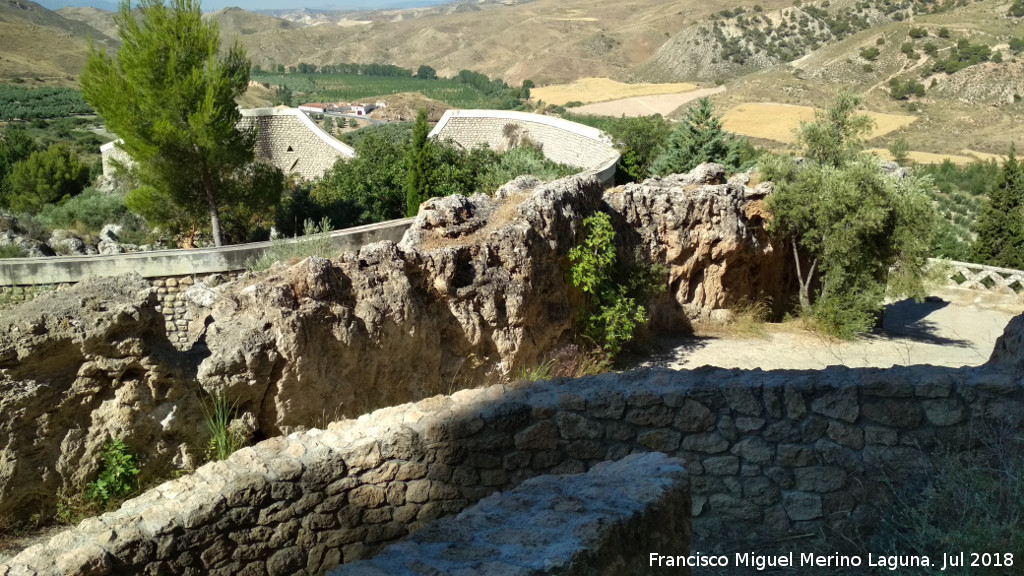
[
  {"x": 218, "y": 415},
  {"x": 610, "y": 313},
  {"x": 119, "y": 473}
]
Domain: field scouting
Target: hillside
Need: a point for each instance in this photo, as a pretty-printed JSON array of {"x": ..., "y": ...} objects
[{"x": 40, "y": 45}]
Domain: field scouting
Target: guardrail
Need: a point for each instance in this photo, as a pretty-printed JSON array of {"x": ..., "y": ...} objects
[{"x": 981, "y": 277}]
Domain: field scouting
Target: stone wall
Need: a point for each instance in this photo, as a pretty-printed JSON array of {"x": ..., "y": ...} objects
[
  {"x": 561, "y": 141},
  {"x": 289, "y": 140},
  {"x": 285, "y": 138},
  {"x": 605, "y": 521},
  {"x": 769, "y": 454}
]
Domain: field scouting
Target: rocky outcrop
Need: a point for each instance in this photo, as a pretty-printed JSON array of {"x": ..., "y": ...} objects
[
  {"x": 80, "y": 366},
  {"x": 1008, "y": 354},
  {"x": 709, "y": 235},
  {"x": 474, "y": 292},
  {"x": 63, "y": 242}
]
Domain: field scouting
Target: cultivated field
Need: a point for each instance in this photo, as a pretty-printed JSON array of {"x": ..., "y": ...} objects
[
  {"x": 968, "y": 156},
  {"x": 589, "y": 90},
  {"x": 663, "y": 104},
  {"x": 778, "y": 121}
]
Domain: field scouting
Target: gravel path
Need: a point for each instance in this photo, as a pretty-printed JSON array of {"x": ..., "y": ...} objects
[{"x": 956, "y": 328}]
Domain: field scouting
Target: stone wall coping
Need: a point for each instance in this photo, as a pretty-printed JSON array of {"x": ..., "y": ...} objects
[
  {"x": 559, "y": 123},
  {"x": 160, "y": 263}
]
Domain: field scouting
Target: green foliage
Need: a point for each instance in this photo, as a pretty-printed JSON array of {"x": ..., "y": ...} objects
[
  {"x": 15, "y": 145},
  {"x": 117, "y": 476},
  {"x": 944, "y": 32},
  {"x": 836, "y": 135},
  {"x": 417, "y": 166},
  {"x": 315, "y": 241},
  {"x": 870, "y": 54},
  {"x": 21, "y": 103},
  {"x": 899, "y": 149},
  {"x": 853, "y": 230},
  {"x": 611, "y": 314},
  {"x": 218, "y": 414},
  {"x": 1017, "y": 45},
  {"x": 352, "y": 82},
  {"x": 44, "y": 178},
  {"x": 329, "y": 125},
  {"x": 89, "y": 211},
  {"x": 169, "y": 93},
  {"x": 903, "y": 90},
  {"x": 500, "y": 169},
  {"x": 1016, "y": 10},
  {"x": 1001, "y": 223},
  {"x": 697, "y": 139},
  {"x": 425, "y": 72},
  {"x": 917, "y": 33},
  {"x": 12, "y": 251},
  {"x": 963, "y": 55},
  {"x": 639, "y": 139}
]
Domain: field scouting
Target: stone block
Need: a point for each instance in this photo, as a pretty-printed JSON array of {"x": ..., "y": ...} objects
[{"x": 802, "y": 505}]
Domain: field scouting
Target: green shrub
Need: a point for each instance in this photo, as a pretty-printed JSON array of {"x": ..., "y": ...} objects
[
  {"x": 12, "y": 251},
  {"x": 217, "y": 415},
  {"x": 610, "y": 314},
  {"x": 972, "y": 502},
  {"x": 119, "y": 473},
  {"x": 870, "y": 54},
  {"x": 44, "y": 178},
  {"x": 89, "y": 211}
]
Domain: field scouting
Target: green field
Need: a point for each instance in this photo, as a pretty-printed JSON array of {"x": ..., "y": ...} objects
[
  {"x": 21, "y": 103},
  {"x": 352, "y": 87}
]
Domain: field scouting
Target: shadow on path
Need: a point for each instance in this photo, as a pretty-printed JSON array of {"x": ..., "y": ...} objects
[{"x": 908, "y": 319}]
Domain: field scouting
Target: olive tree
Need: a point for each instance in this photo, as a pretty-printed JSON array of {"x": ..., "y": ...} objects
[{"x": 853, "y": 230}]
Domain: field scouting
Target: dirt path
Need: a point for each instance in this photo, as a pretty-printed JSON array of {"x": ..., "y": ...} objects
[
  {"x": 939, "y": 332},
  {"x": 662, "y": 104}
]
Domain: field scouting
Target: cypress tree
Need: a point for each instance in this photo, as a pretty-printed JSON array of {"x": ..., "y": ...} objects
[
  {"x": 417, "y": 166},
  {"x": 1000, "y": 239}
]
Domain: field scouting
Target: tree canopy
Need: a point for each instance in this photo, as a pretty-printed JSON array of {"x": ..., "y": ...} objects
[
  {"x": 697, "y": 139},
  {"x": 169, "y": 93},
  {"x": 1000, "y": 239},
  {"x": 854, "y": 230}
]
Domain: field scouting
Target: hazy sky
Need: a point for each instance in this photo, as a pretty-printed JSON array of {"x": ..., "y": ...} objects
[{"x": 210, "y": 5}]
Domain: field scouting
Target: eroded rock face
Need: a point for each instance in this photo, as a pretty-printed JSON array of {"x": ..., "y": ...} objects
[
  {"x": 1008, "y": 354},
  {"x": 710, "y": 236},
  {"x": 474, "y": 290},
  {"x": 78, "y": 367}
]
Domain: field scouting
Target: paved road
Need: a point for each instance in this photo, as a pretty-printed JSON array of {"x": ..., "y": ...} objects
[{"x": 953, "y": 331}]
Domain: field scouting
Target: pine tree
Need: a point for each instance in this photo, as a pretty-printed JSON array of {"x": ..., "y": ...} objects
[
  {"x": 697, "y": 139},
  {"x": 417, "y": 166},
  {"x": 169, "y": 93},
  {"x": 1000, "y": 239}
]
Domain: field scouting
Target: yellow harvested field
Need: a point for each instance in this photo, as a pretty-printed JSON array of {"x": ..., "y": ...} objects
[
  {"x": 970, "y": 156},
  {"x": 778, "y": 121},
  {"x": 588, "y": 90},
  {"x": 663, "y": 104}
]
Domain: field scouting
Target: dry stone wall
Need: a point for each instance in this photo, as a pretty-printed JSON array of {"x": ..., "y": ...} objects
[
  {"x": 604, "y": 521},
  {"x": 768, "y": 453}
]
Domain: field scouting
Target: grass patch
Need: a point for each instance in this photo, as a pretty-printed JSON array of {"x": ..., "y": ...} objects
[
  {"x": 315, "y": 241},
  {"x": 218, "y": 414}
]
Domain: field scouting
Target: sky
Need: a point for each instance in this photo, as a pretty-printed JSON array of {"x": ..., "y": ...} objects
[{"x": 210, "y": 5}]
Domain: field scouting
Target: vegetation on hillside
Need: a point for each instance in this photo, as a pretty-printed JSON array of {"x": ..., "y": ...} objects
[
  {"x": 24, "y": 103},
  {"x": 699, "y": 138},
  {"x": 353, "y": 82},
  {"x": 1001, "y": 223}
]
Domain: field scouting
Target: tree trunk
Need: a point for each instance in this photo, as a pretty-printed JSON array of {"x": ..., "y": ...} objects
[
  {"x": 211, "y": 205},
  {"x": 805, "y": 284}
]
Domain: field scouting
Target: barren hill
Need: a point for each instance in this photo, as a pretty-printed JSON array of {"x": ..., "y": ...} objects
[{"x": 39, "y": 44}]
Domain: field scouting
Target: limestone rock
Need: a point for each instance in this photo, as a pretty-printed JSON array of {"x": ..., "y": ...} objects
[
  {"x": 709, "y": 235},
  {"x": 475, "y": 288},
  {"x": 80, "y": 366}
]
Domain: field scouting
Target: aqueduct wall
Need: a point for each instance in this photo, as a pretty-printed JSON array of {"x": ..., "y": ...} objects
[{"x": 768, "y": 453}]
